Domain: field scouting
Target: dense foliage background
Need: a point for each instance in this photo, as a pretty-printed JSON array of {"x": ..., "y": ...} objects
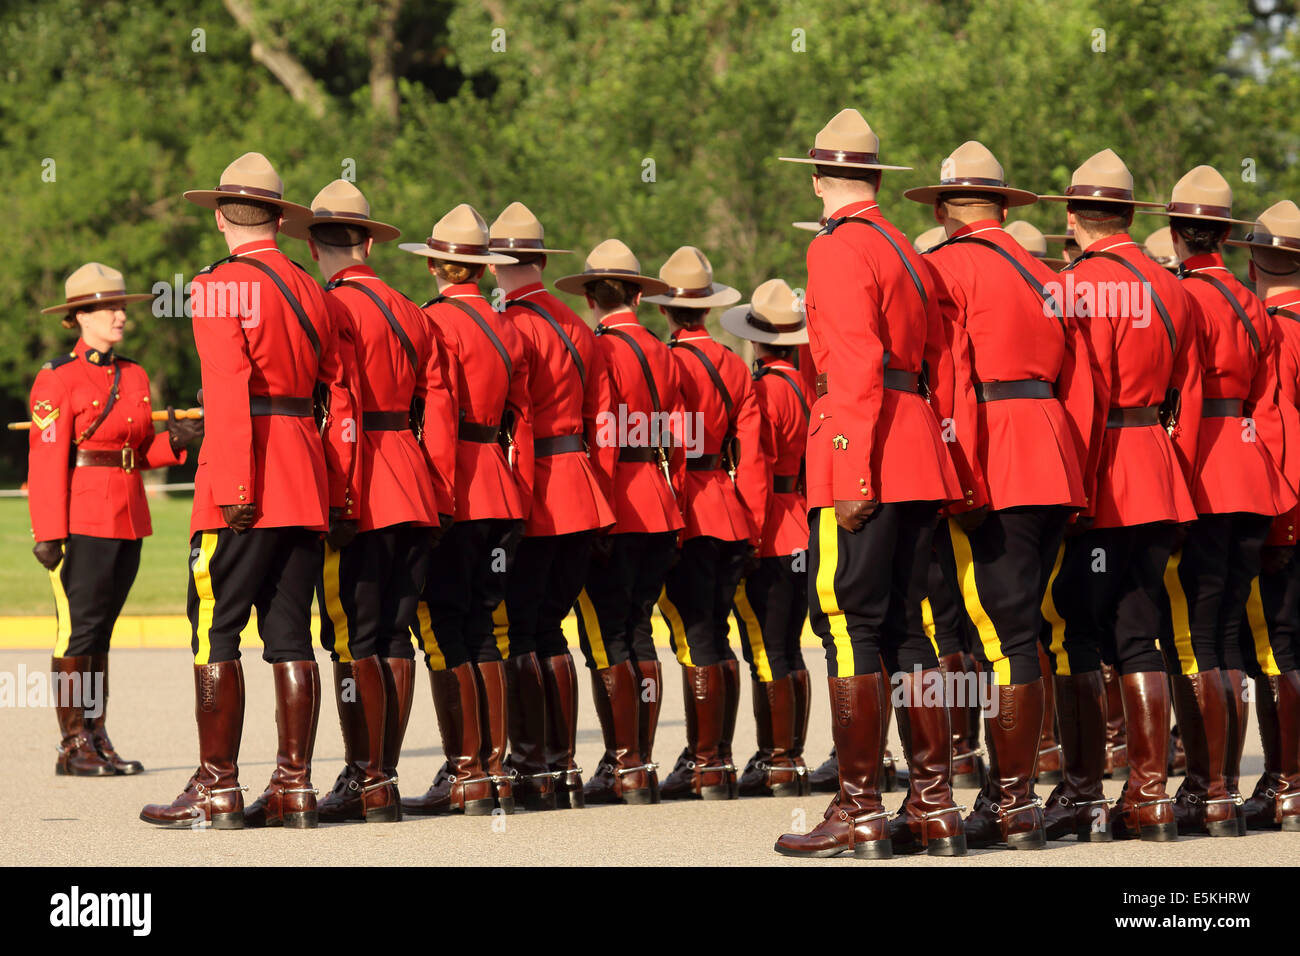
[{"x": 126, "y": 104}]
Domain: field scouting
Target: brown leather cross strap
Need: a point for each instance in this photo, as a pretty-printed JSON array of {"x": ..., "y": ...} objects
[
  {"x": 1001, "y": 391},
  {"x": 386, "y": 421},
  {"x": 475, "y": 432},
  {"x": 1133, "y": 417},
  {"x": 123, "y": 458},
  {"x": 638, "y": 453},
  {"x": 785, "y": 484},
  {"x": 704, "y": 463},
  {"x": 289, "y": 405},
  {"x": 558, "y": 445},
  {"x": 1221, "y": 407},
  {"x": 895, "y": 378}
]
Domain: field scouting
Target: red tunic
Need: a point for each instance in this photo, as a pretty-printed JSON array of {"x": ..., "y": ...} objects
[
  {"x": 710, "y": 502},
  {"x": 250, "y": 343},
  {"x": 1288, "y": 403},
  {"x": 398, "y": 478},
  {"x": 69, "y": 394},
  {"x": 482, "y": 390},
  {"x": 1031, "y": 451},
  {"x": 642, "y": 497},
  {"x": 785, "y": 434},
  {"x": 868, "y": 442},
  {"x": 1236, "y": 458},
  {"x": 1139, "y": 474},
  {"x": 567, "y": 494}
]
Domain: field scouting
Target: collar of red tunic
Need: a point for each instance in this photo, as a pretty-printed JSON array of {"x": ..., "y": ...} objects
[
  {"x": 462, "y": 290},
  {"x": 1111, "y": 242},
  {"x": 860, "y": 208},
  {"x": 257, "y": 245},
  {"x": 692, "y": 335},
  {"x": 94, "y": 356},
  {"x": 621, "y": 319},
  {"x": 1284, "y": 300},
  {"x": 979, "y": 226},
  {"x": 525, "y": 290},
  {"x": 771, "y": 361},
  {"x": 1208, "y": 260},
  {"x": 358, "y": 270}
]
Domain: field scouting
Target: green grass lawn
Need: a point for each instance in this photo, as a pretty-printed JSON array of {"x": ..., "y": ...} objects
[{"x": 159, "y": 587}]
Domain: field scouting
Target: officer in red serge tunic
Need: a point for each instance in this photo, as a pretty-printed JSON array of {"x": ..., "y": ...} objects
[
  {"x": 724, "y": 518},
  {"x": 568, "y": 388},
  {"x": 1238, "y": 491},
  {"x": 91, "y": 436},
  {"x": 1035, "y": 407},
  {"x": 629, "y": 563},
  {"x": 1137, "y": 479},
  {"x": 369, "y": 590},
  {"x": 269, "y": 483},
  {"x": 464, "y": 644},
  {"x": 878, "y": 472},
  {"x": 770, "y": 602}
]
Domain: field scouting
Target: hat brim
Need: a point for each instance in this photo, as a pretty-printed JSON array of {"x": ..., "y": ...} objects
[
  {"x": 809, "y": 161},
  {"x": 529, "y": 252},
  {"x": 491, "y": 258},
  {"x": 1052, "y": 262},
  {"x": 721, "y": 295},
  {"x": 1247, "y": 244},
  {"x": 1014, "y": 197},
  {"x": 107, "y": 300},
  {"x": 736, "y": 321},
  {"x": 574, "y": 284},
  {"x": 1228, "y": 220},
  {"x": 1141, "y": 204},
  {"x": 1058, "y": 237},
  {"x": 808, "y": 226},
  {"x": 208, "y": 198},
  {"x": 301, "y": 228}
]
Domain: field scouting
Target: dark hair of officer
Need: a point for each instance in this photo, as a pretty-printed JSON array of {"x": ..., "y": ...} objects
[
  {"x": 1106, "y": 218},
  {"x": 339, "y": 235},
  {"x": 611, "y": 293},
  {"x": 1201, "y": 236},
  {"x": 848, "y": 173},
  {"x": 1274, "y": 263},
  {"x": 685, "y": 316},
  {"x": 248, "y": 213},
  {"x": 768, "y": 350},
  {"x": 456, "y": 272}
]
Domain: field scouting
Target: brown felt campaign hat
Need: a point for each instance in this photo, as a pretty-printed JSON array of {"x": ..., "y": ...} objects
[
  {"x": 340, "y": 202},
  {"x": 846, "y": 141},
  {"x": 1277, "y": 228},
  {"x": 518, "y": 230},
  {"x": 95, "y": 285},
  {"x": 459, "y": 236},
  {"x": 807, "y": 225},
  {"x": 929, "y": 239},
  {"x": 1201, "y": 194},
  {"x": 775, "y": 316},
  {"x": 612, "y": 259},
  {"x": 1160, "y": 247},
  {"x": 690, "y": 282},
  {"x": 972, "y": 168},
  {"x": 250, "y": 177},
  {"x": 1033, "y": 242},
  {"x": 1102, "y": 178}
]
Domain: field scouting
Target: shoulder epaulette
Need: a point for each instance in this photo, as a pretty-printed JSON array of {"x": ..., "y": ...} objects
[
  {"x": 938, "y": 245},
  {"x": 436, "y": 298},
  {"x": 124, "y": 358},
  {"x": 220, "y": 262},
  {"x": 57, "y": 361}
]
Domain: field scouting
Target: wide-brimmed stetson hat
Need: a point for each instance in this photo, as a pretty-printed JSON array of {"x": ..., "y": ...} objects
[
  {"x": 1102, "y": 178},
  {"x": 1033, "y": 242},
  {"x": 252, "y": 178},
  {"x": 341, "y": 202},
  {"x": 1277, "y": 228},
  {"x": 95, "y": 285},
  {"x": 845, "y": 141},
  {"x": 929, "y": 239},
  {"x": 689, "y": 276},
  {"x": 518, "y": 230},
  {"x": 459, "y": 236},
  {"x": 1160, "y": 247},
  {"x": 972, "y": 168},
  {"x": 1201, "y": 194},
  {"x": 775, "y": 316},
  {"x": 612, "y": 259},
  {"x": 807, "y": 225}
]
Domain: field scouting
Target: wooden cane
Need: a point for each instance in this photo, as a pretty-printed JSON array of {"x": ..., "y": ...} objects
[{"x": 156, "y": 416}]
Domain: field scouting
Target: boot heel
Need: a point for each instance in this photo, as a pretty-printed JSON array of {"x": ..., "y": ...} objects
[
  {"x": 388, "y": 814},
  {"x": 507, "y": 805},
  {"x": 303, "y": 820},
  {"x": 1160, "y": 832},
  {"x": 720, "y": 792},
  {"x": 541, "y": 801},
  {"x": 874, "y": 850},
  {"x": 1035, "y": 839},
  {"x": 948, "y": 846},
  {"x": 1291, "y": 824},
  {"x": 786, "y": 790},
  {"x": 228, "y": 821},
  {"x": 1223, "y": 828},
  {"x": 1086, "y": 834},
  {"x": 480, "y": 808},
  {"x": 642, "y": 797}
]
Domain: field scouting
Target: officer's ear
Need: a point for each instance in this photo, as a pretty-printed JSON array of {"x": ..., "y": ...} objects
[
  {"x": 939, "y": 215},
  {"x": 370, "y": 244},
  {"x": 492, "y": 268},
  {"x": 817, "y": 185},
  {"x": 1254, "y": 278},
  {"x": 1002, "y": 212},
  {"x": 636, "y": 298},
  {"x": 221, "y": 220}
]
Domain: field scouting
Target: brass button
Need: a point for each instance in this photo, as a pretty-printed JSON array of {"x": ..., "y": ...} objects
[
  {"x": 242, "y": 488},
  {"x": 241, "y": 497},
  {"x": 822, "y": 415},
  {"x": 129, "y": 419},
  {"x": 969, "y": 492},
  {"x": 864, "y": 491},
  {"x": 95, "y": 403}
]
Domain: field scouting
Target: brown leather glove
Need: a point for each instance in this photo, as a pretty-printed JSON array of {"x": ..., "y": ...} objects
[
  {"x": 1274, "y": 559},
  {"x": 342, "y": 530},
  {"x": 239, "y": 518},
  {"x": 852, "y": 515},
  {"x": 968, "y": 521},
  {"x": 182, "y": 431},
  {"x": 1079, "y": 525},
  {"x": 49, "y": 553}
]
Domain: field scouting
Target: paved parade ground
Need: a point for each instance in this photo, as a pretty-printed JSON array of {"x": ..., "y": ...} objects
[{"x": 66, "y": 821}]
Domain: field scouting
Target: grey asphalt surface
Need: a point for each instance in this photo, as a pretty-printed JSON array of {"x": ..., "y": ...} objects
[{"x": 65, "y": 821}]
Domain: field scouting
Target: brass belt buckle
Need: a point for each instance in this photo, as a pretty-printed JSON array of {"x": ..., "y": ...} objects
[{"x": 128, "y": 460}]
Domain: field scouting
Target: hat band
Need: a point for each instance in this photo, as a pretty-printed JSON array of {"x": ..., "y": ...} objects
[
  {"x": 1286, "y": 242},
  {"x": 597, "y": 274},
  {"x": 1198, "y": 209},
  {"x": 690, "y": 292},
  {"x": 457, "y": 248},
  {"x": 248, "y": 190},
  {"x": 841, "y": 156},
  {"x": 92, "y": 296},
  {"x": 774, "y": 327},
  {"x": 1099, "y": 192},
  {"x": 339, "y": 214},
  {"x": 511, "y": 243},
  {"x": 973, "y": 181}
]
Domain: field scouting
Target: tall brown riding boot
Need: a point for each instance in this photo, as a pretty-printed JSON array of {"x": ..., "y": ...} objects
[
  {"x": 802, "y": 711},
  {"x": 968, "y": 768},
  {"x": 1288, "y": 722},
  {"x": 493, "y": 716},
  {"x": 649, "y": 696},
  {"x": 95, "y": 724},
  {"x": 1234, "y": 689},
  {"x": 1116, "y": 734},
  {"x": 365, "y": 790},
  {"x": 289, "y": 799},
  {"x": 622, "y": 776},
  {"x": 73, "y": 679},
  {"x": 534, "y": 781},
  {"x": 1144, "y": 810},
  {"x": 213, "y": 796},
  {"x": 399, "y": 695},
  {"x": 343, "y": 802},
  {"x": 1202, "y": 804},
  {"x": 1007, "y": 810},
  {"x": 929, "y": 821},
  {"x": 771, "y": 771},
  {"x": 1077, "y": 806},
  {"x": 461, "y": 785},
  {"x": 1049, "y": 751},
  {"x": 699, "y": 772},
  {"x": 560, "y": 677},
  {"x": 855, "y": 820},
  {"x": 731, "y": 695},
  {"x": 1259, "y": 810}
]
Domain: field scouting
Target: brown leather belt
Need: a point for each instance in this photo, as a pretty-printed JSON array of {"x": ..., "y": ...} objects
[
  {"x": 895, "y": 378},
  {"x": 1133, "y": 417},
  {"x": 288, "y": 405},
  {"x": 557, "y": 445},
  {"x": 704, "y": 463},
  {"x": 1221, "y": 407},
  {"x": 1025, "y": 388},
  {"x": 641, "y": 453},
  {"x": 784, "y": 484},
  {"x": 473, "y": 431},
  {"x": 123, "y": 458},
  {"x": 386, "y": 421}
]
